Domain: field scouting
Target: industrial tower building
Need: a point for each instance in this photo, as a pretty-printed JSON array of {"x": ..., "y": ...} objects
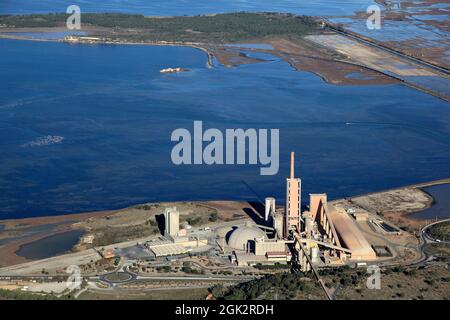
[
  {"x": 293, "y": 202},
  {"x": 171, "y": 222},
  {"x": 323, "y": 235}
]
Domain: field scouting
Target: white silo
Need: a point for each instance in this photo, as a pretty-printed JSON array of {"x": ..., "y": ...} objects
[
  {"x": 314, "y": 254},
  {"x": 278, "y": 220},
  {"x": 270, "y": 208},
  {"x": 309, "y": 226}
]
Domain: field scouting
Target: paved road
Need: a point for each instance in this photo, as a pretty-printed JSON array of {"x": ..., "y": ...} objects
[
  {"x": 424, "y": 240},
  {"x": 206, "y": 277},
  {"x": 427, "y": 237},
  {"x": 135, "y": 277}
]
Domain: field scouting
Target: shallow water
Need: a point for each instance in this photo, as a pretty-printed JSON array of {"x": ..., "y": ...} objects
[
  {"x": 416, "y": 30},
  {"x": 397, "y": 31},
  {"x": 50, "y": 246},
  {"x": 441, "y": 206},
  {"x": 30, "y": 231},
  {"x": 116, "y": 113}
]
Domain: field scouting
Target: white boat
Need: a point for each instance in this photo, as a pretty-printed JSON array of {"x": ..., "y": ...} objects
[{"x": 172, "y": 70}]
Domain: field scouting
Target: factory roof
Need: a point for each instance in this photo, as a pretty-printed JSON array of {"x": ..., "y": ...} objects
[
  {"x": 158, "y": 242},
  {"x": 168, "y": 250},
  {"x": 350, "y": 235}
]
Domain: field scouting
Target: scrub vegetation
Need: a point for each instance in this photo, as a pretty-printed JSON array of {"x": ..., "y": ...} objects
[
  {"x": 440, "y": 231},
  {"x": 21, "y": 295},
  {"x": 206, "y": 28},
  {"x": 276, "y": 286}
]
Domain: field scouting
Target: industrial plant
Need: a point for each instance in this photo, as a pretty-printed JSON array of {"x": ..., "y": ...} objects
[
  {"x": 175, "y": 240},
  {"x": 307, "y": 237},
  {"x": 318, "y": 236},
  {"x": 224, "y": 243}
]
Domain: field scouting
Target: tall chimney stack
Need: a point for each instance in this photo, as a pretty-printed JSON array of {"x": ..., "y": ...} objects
[
  {"x": 293, "y": 201},
  {"x": 292, "y": 164}
]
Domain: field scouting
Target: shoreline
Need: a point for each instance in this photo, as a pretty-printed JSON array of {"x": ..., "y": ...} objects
[
  {"x": 403, "y": 213},
  {"x": 89, "y": 214},
  {"x": 80, "y": 221},
  {"x": 322, "y": 64},
  {"x": 416, "y": 185},
  {"x": 67, "y": 222},
  {"x": 198, "y": 46},
  {"x": 64, "y": 223}
]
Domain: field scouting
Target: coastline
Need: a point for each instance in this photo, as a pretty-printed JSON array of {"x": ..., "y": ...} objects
[
  {"x": 69, "y": 222},
  {"x": 401, "y": 213},
  {"x": 100, "y": 213},
  {"x": 63, "y": 224},
  {"x": 81, "y": 221},
  {"x": 199, "y": 46},
  {"x": 316, "y": 60}
]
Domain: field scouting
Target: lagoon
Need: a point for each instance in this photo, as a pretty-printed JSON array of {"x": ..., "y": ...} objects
[
  {"x": 114, "y": 113},
  {"x": 440, "y": 208},
  {"x": 50, "y": 246}
]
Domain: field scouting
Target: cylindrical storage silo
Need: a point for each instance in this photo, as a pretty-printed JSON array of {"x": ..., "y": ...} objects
[{"x": 315, "y": 254}]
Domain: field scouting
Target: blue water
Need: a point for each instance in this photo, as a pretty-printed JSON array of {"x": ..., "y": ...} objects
[
  {"x": 27, "y": 231},
  {"x": 116, "y": 112},
  {"x": 184, "y": 7},
  {"x": 51, "y": 245},
  {"x": 440, "y": 208}
]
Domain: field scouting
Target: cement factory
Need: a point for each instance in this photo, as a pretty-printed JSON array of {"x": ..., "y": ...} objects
[
  {"x": 220, "y": 242},
  {"x": 320, "y": 236}
]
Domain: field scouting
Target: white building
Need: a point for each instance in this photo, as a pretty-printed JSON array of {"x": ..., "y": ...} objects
[
  {"x": 171, "y": 221},
  {"x": 270, "y": 208}
]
